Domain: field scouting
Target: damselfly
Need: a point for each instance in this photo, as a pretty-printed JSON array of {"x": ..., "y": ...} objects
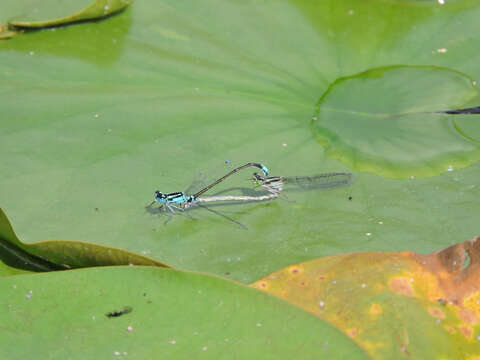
[
  {"x": 181, "y": 201},
  {"x": 275, "y": 184}
]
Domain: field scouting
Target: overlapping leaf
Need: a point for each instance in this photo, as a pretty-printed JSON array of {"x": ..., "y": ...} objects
[
  {"x": 17, "y": 257},
  {"x": 34, "y": 14},
  {"x": 393, "y": 304}
]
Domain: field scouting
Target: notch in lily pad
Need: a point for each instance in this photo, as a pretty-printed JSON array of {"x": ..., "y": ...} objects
[
  {"x": 51, "y": 13},
  {"x": 471, "y": 111}
]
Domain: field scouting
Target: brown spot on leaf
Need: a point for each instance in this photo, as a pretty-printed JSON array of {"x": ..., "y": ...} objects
[
  {"x": 468, "y": 316},
  {"x": 295, "y": 270},
  {"x": 352, "y": 332},
  {"x": 375, "y": 309},
  {"x": 465, "y": 330},
  {"x": 402, "y": 286},
  {"x": 435, "y": 312},
  {"x": 449, "y": 329},
  {"x": 322, "y": 277},
  {"x": 262, "y": 284},
  {"x": 456, "y": 269},
  {"x": 442, "y": 302}
]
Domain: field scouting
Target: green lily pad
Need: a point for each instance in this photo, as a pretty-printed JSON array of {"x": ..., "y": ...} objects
[
  {"x": 393, "y": 305},
  {"x": 39, "y": 14},
  {"x": 145, "y": 313},
  {"x": 387, "y": 121},
  {"x": 17, "y": 257},
  {"x": 97, "y": 117}
]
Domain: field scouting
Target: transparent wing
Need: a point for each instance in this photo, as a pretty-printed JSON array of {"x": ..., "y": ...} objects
[
  {"x": 321, "y": 181},
  {"x": 206, "y": 177},
  {"x": 198, "y": 183}
]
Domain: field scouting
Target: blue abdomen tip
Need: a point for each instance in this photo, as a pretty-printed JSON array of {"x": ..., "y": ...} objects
[{"x": 264, "y": 169}]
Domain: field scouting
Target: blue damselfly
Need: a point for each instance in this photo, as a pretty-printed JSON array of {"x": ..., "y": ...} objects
[{"x": 181, "y": 201}]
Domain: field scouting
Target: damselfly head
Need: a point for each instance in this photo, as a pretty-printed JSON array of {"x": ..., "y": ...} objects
[{"x": 159, "y": 197}]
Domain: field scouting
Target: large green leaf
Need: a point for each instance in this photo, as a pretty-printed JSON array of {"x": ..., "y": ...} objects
[
  {"x": 97, "y": 116},
  {"x": 172, "y": 314}
]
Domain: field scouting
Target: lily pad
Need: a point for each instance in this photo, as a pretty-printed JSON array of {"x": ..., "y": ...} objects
[
  {"x": 391, "y": 121},
  {"x": 33, "y": 14},
  {"x": 97, "y": 117},
  {"x": 17, "y": 257},
  {"x": 393, "y": 304},
  {"x": 144, "y": 313}
]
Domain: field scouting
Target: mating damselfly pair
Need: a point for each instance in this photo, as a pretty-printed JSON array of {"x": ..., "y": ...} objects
[{"x": 273, "y": 184}]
